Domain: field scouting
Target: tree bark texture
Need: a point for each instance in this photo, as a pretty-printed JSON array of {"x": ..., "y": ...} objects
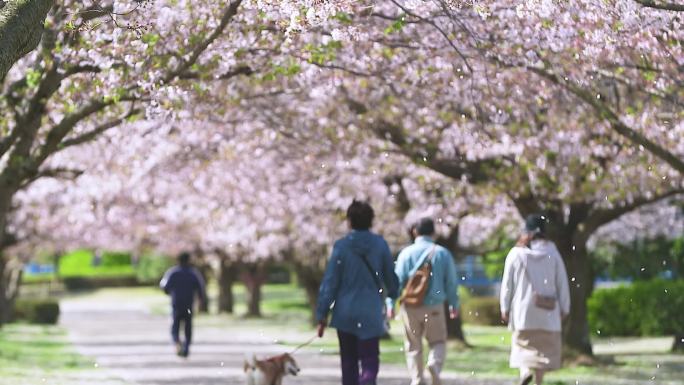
[
  {"x": 310, "y": 279},
  {"x": 226, "y": 277},
  {"x": 254, "y": 277},
  {"x": 21, "y": 28}
]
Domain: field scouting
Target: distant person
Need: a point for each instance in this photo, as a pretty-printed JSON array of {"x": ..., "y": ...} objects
[
  {"x": 359, "y": 272},
  {"x": 425, "y": 318},
  {"x": 534, "y": 298},
  {"x": 183, "y": 282}
]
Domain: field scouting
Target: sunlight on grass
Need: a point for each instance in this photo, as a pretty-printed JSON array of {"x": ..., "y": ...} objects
[{"x": 31, "y": 354}]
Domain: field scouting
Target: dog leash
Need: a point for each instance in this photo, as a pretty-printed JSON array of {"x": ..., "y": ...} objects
[{"x": 307, "y": 343}]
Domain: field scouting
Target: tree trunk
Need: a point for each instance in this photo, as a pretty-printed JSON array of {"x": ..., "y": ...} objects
[
  {"x": 5, "y": 311},
  {"x": 573, "y": 249},
  {"x": 6, "y": 194},
  {"x": 678, "y": 345},
  {"x": 254, "y": 300},
  {"x": 21, "y": 27},
  {"x": 310, "y": 279},
  {"x": 205, "y": 271},
  {"x": 10, "y": 282},
  {"x": 226, "y": 277},
  {"x": 254, "y": 277},
  {"x": 455, "y": 327}
]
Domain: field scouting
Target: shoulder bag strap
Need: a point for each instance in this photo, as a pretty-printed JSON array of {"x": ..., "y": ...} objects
[
  {"x": 427, "y": 256},
  {"x": 376, "y": 279}
]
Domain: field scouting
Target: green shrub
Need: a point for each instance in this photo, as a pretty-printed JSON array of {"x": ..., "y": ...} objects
[
  {"x": 97, "y": 282},
  {"x": 116, "y": 259},
  {"x": 481, "y": 311},
  {"x": 651, "y": 308},
  {"x": 642, "y": 259},
  {"x": 151, "y": 268},
  {"x": 40, "y": 311},
  {"x": 75, "y": 262},
  {"x": 80, "y": 264}
]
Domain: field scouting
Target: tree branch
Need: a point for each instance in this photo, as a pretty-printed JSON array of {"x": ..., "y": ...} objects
[
  {"x": 664, "y": 5},
  {"x": 618, "y": 126},
  {"x": 95, "y": 132},
  {"x": 195, "y": 54},
  {"x": 477, "y": 171},
  {"x": 440, "y": 30},
  {"x": 9, "y": 140},
  {"x": 599, "y": 216},
  {"x": 57, "y": 173},
  {"x": 62, "y": 129},
  {"x": 240, "y": 70}
]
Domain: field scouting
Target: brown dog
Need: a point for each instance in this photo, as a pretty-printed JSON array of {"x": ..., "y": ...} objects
[{"x": 270, "y": 371}]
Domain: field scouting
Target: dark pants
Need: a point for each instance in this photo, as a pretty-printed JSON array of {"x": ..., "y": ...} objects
[
  {"x": 182, "y": 315},
  {"x": 352, "y": 351}
]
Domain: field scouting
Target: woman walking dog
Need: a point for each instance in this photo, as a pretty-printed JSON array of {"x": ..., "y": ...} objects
[
  {"x": 534, "y": 299},
  {"x": 359, "y": 273}
]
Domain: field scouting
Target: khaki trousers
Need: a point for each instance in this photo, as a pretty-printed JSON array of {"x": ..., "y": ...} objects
[{"x": 426, "y": 322}]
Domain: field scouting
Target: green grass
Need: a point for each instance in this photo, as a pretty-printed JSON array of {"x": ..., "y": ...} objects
[
  {"x": 31, "y": 354},
  {"x": 488, "y": 358},
  {"x": 285, "y": 308}
]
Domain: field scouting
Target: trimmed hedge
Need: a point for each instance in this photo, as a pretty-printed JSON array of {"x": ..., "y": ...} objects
[
  {"x": 481, "y": 311},
  {"x": 89, "y": 283},
  {"x": 81, "y": 263},
  {"x": 39, "y": 311},
  {"x": 115, "y": 259},
  {"x": 651, "y": 308},
  {"x": 151, "y": 268}
]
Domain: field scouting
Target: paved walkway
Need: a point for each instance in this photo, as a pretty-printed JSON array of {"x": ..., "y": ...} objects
[{"x": 128, "y": 341}]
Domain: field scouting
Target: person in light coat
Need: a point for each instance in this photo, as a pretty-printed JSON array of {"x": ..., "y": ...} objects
[{"x": 534, "y": 268}]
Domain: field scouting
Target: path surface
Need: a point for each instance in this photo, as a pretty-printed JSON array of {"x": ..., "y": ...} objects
[{"x": 128, "y": 341}]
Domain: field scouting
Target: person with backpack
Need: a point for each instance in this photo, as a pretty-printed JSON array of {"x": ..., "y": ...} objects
[
  {"x": 427, "y": 278},
  {"x": 359, "y": 274},
  {"x": 535, "y": 297},
  {"x": 183, "y": 283}
]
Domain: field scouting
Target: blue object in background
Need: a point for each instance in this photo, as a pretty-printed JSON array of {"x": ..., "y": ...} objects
[
  {"x": 471, "y": 274},
  {"x": 38, "y": 269}
]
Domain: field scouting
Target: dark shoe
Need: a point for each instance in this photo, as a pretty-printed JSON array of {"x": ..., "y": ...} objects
[
  {"x": 186, "y": 351},
  {"x": 526, "y": 380}
]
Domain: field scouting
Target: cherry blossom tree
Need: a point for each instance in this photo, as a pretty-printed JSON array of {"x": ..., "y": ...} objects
[
  {"x": 482, "y": 110},
  {"x": 511, "y": 100},
  {"x": 99, "y": 65}
]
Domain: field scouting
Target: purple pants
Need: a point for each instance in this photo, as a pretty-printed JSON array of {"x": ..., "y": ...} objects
[{"x": 352, "y": 351}]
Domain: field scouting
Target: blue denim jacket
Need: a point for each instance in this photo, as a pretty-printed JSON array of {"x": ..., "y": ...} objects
[
  {"x": 443, "y": 285},
  {"x": 349, "y": 289}
]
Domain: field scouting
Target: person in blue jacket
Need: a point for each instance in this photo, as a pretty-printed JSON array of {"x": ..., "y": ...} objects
[
  {"x": 183, "y": 283},
  {"x": 427, "y": 320},
  {"x": 359, "y": 274}
]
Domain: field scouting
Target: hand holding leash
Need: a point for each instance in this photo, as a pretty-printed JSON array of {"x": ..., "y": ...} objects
[{"x": 321, "y": 328}]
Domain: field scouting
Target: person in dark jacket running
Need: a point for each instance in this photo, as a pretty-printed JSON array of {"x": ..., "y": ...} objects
[{"x": 183, "y": 282}]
